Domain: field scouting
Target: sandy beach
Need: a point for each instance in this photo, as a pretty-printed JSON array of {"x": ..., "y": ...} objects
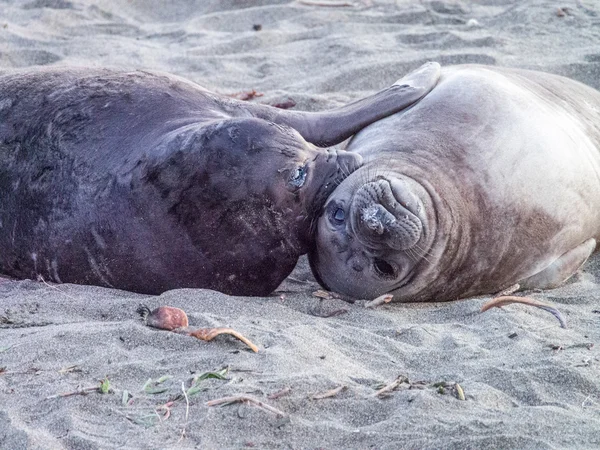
[{"x": 527, "y": 382}]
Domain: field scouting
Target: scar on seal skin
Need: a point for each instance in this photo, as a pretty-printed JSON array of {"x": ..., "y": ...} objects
[{"x": 147, "y": 182}]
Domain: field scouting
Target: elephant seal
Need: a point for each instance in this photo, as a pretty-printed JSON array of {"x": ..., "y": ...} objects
[
  {"x": 490, "y": 180},
  {"x": 147, "y": 182}
]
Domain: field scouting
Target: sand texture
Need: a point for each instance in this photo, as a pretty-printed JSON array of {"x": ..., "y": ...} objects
[{"x": 527, "y": 382}]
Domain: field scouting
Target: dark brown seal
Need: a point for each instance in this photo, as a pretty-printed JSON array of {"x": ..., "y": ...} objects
[
  {"x": 148, "y": 182},
  {"x": 492, "y": 179}
]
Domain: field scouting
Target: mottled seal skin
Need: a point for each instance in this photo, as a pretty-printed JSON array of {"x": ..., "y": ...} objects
[
  {"x": 147, "y": 182},
  {"x": 492, "y": 179}
]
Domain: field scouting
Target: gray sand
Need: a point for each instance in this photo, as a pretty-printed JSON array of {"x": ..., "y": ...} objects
[{"x": 528, "y": 383}]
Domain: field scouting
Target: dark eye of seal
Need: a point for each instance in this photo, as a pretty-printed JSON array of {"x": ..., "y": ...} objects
[
  {"x": 335, "y": 213},
  {"x": 339, "y": 216},
  {"x": 383, "y": 269},
  {"x": 298, "y": 177}
]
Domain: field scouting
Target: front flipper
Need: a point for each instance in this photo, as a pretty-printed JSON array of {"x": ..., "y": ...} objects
[
  {"x": 332, "y": 127},
  {"x": 562, "y": 269}
]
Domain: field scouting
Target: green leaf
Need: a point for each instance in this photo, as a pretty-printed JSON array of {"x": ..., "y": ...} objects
[{"x": 105, "y": 386}]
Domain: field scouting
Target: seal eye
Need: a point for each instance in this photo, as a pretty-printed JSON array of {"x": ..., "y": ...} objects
[
  {"x": 336, "y": 214},
  {"x": 298, "y": 177},
  {"x": 339, "y": 216},
  {"x": 383, "y": 269}
]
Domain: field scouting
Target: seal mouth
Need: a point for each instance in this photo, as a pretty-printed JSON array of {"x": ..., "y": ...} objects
[{"x": 383, "y": 214}]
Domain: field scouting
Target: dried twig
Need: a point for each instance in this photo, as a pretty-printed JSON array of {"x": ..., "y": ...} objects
[
  {"x": 327, "y": 295},
  {"x": 323, "y": 294},
  {"x": 208, "y": 334},
  {"x": 330, "y": 393},
  {"x": 509, "y": 290},
  {"x": 325, "y": 3},
  {"x": 507, "y": 300},
  {"x": 246, "y": 95},
  {"x": 70, "y": 369},
  {"x": 245, "y": 399},
  {"x": 385, "y": 298},
  {"x": 278, "y": 394},
  {"x": 187, "y": 412},
  {"x": 386, "y": 390},
  {"x": 41, "y": 280},
  {"x": 83, "y": 391}
]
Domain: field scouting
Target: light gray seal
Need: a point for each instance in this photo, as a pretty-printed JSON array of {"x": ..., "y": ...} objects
[
  {"x": 148, "y": 182},
  {"x": 492, "y": 179}
]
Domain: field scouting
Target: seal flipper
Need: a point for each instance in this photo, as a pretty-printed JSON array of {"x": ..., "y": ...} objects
[
  {"x": 562, "y": 269},
  {"x": 332, "y": 127}
]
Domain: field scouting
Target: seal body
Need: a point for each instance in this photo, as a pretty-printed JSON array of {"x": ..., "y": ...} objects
[
  {"x": 147, "y": 182},
  {"x": 492, "y": 179}
]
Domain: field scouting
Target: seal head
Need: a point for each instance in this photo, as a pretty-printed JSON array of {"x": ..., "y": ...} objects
[{"x": 375, "y": 225}]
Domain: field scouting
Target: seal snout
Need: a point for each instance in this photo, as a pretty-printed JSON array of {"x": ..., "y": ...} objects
[{"x": 381, "y": 218}]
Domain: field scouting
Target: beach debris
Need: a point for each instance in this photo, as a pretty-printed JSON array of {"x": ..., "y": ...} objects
[
  {"x": 103, "y": 388},
  {"x": 246, "y": 95},
  {"x": 196, "y": 387},
  {"x": 327, "y": 295},
  {"x": 70, "y": 369},
  {"x": 330, "y": 393},
  {"x": 472, "y": 23},
  {"x": 317, "y": 311},
  {"x": 387, "y": 389},
  {"x": 564, "y": 11},
  {"x": 586, "y": 345},
  {"x": 382, "y": 299},
  {"x": 146, "y": 420},
  {"x": 162, "y": 412},
  {"x": 187, "y": 412},
  {"x": 156, "y": 386},
  {"x": 164, "y": 317},
  {"x": 208, "y": 334},
  {"x": 450, "y": 387},
  {"x": 165, "y": 410},
  {"x": 586, "y": 362},
  {"x": 298, "y": 280},
  {"x": 509, "y": 290},
  {"x": 326, "y": 3},
  {"x": 498, "y": 302},
  {"x": 279, "y": 394},
  {"x": 125, "y": 397},
  {"x": 175, "y": 320},
  {"x": 247, "y": 400},
  {"x": 257, "y": 27},
  {"x": 289, "y": 103},
  {"x": 512, "y": 335}
]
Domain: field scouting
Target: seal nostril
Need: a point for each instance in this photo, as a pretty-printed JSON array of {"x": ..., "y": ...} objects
[
  {"x": 371, "y": 217},
  {"x": 383, "y": 268},
  {"x": 357, "y": 267}
]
